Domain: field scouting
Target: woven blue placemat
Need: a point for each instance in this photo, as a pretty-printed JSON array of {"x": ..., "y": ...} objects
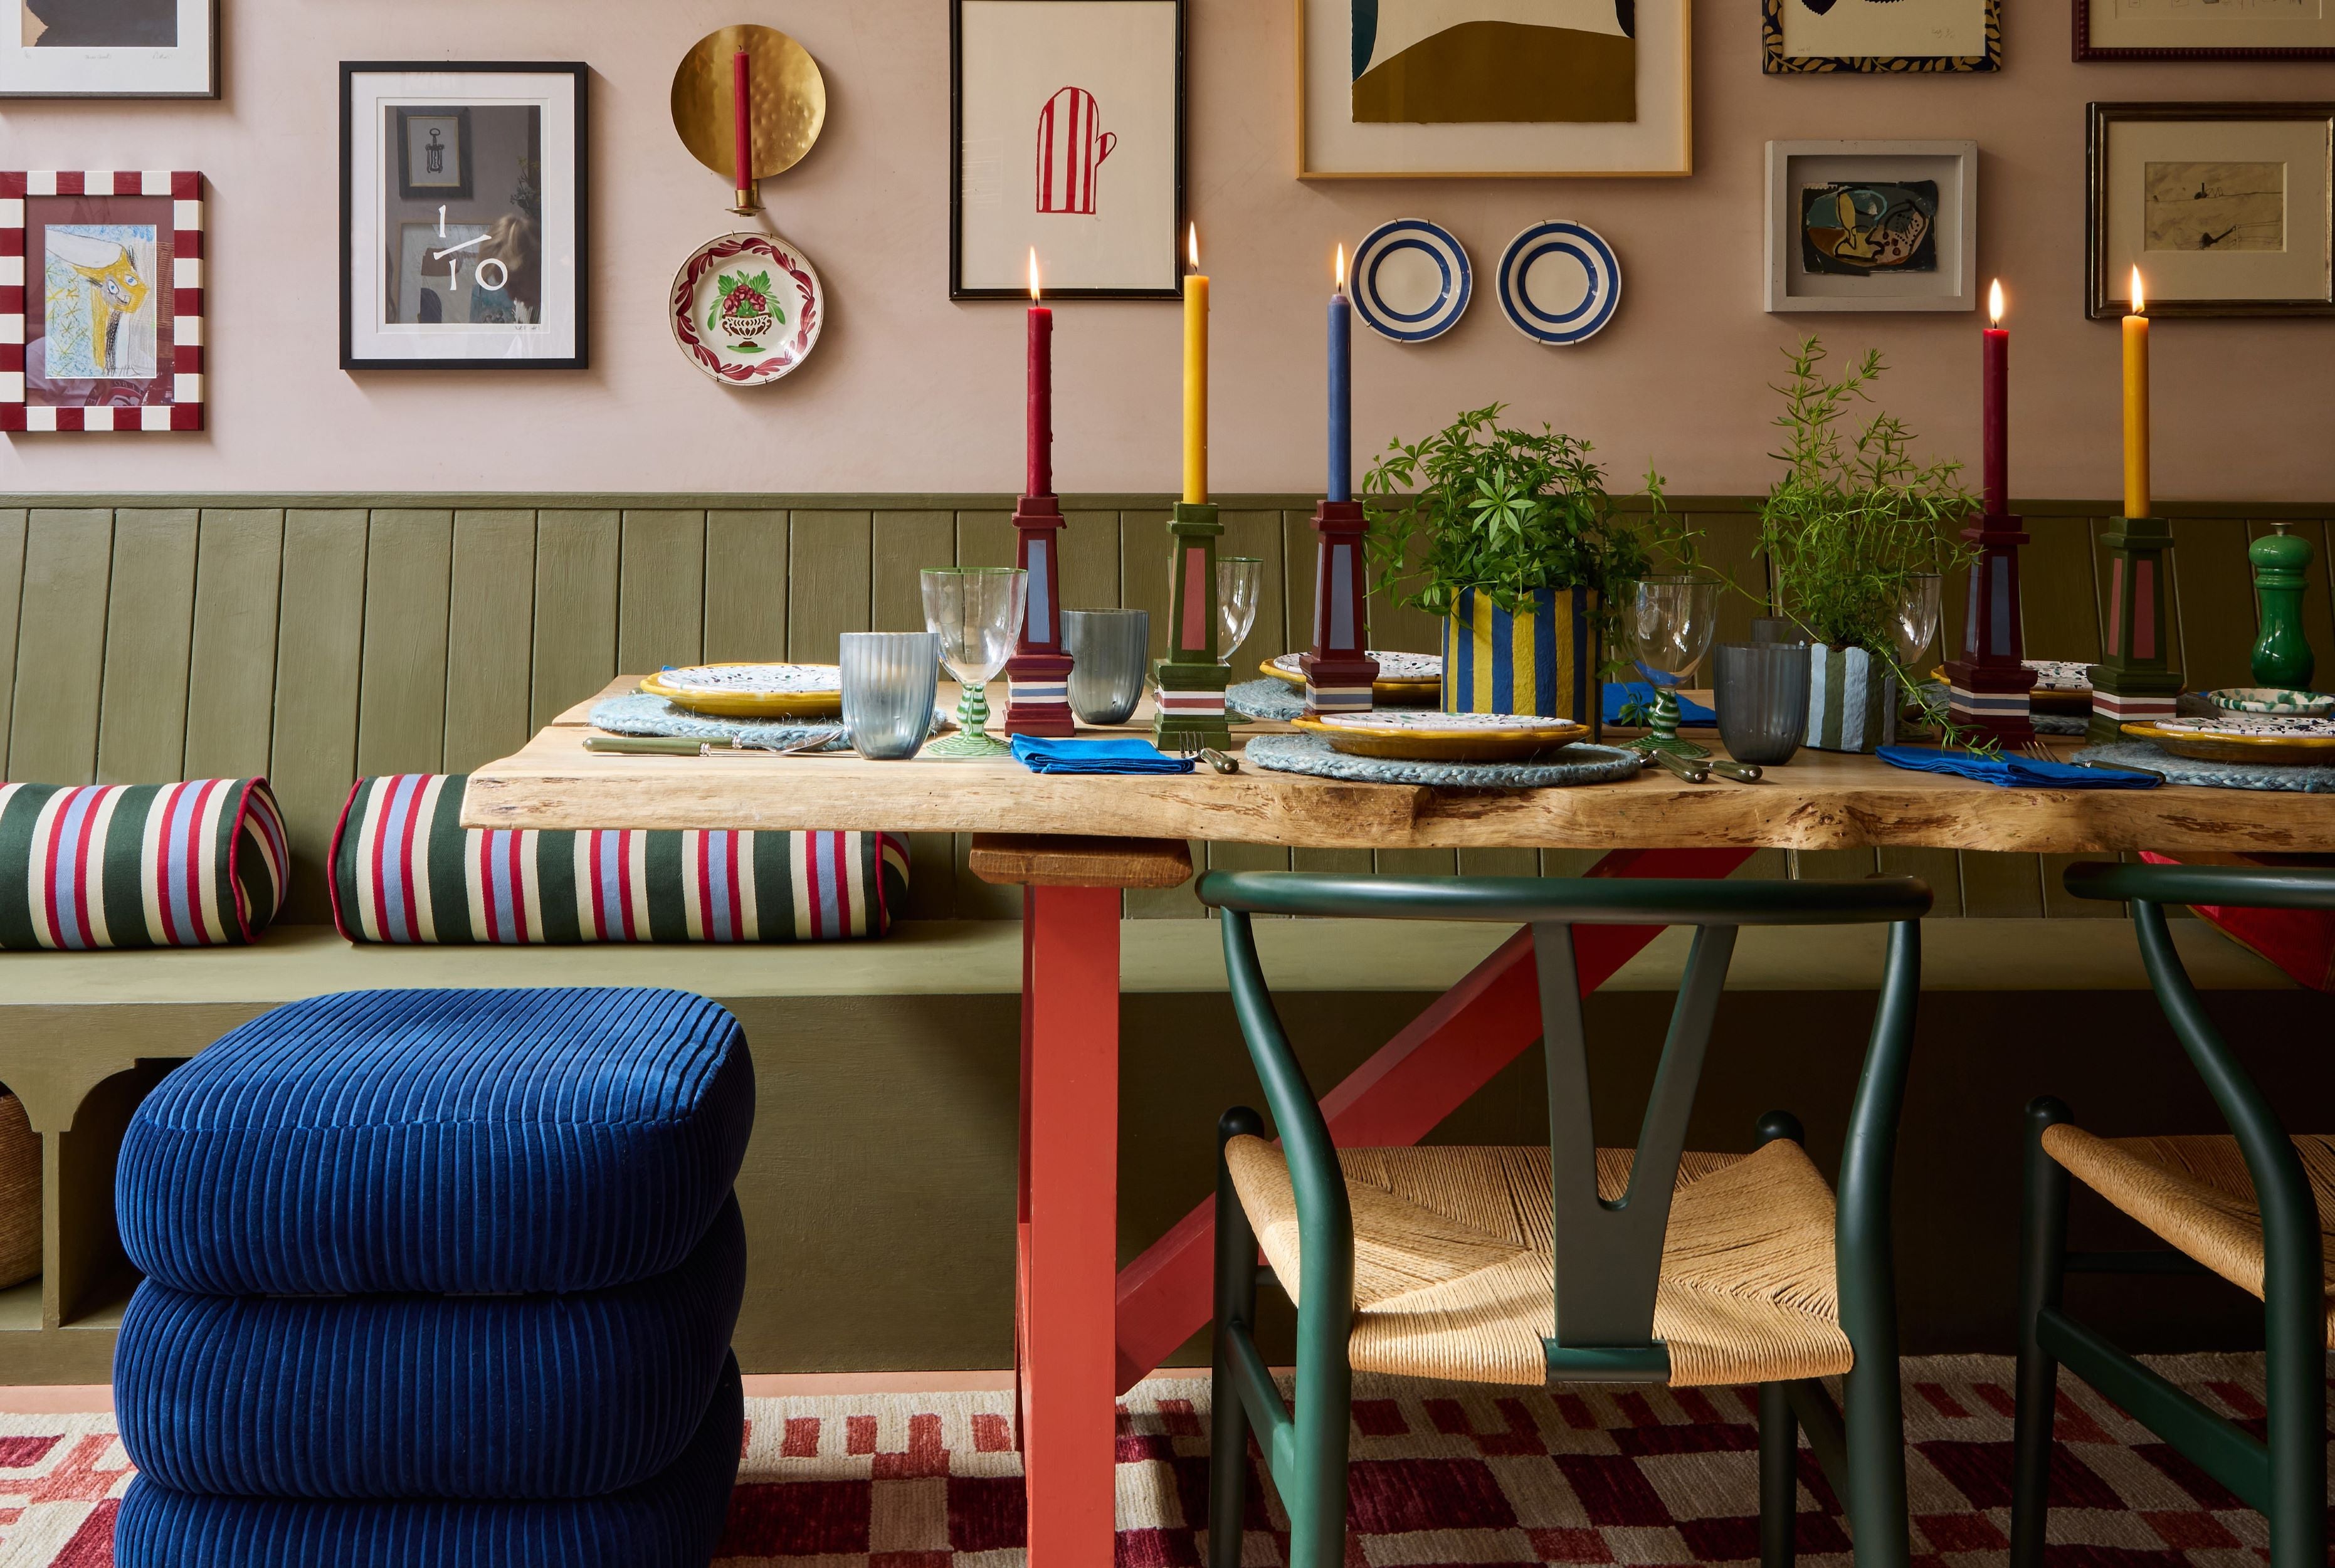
[
  {"x": 1268, "y": 699},
  {"x": 1576, "y": 764},
  {"x": 2211, "y": 775},
  {"x": 638, "y": 714}
]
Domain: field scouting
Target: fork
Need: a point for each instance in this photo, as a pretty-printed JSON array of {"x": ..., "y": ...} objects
[
  {"x": 1189, "y": 746},
  {"x": 2039, "y": 752}
]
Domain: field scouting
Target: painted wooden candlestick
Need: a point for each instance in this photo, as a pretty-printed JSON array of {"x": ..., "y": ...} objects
[
  {"x": 2282, "y": 656},
  {"x": 1190, "y": 682},
  {"x": 1339, "y": 674},
  {"x": 2137, "y": 679},
  {"x": 1037, "y": 675},
  {"x": 1987, "y": 686}
]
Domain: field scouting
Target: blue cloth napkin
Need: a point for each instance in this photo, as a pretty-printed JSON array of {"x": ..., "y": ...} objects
[
  {"x": 1620, "y": 694},
  {"x": 2011, "y": 771},
  {"x": 1041, "y": 755}
]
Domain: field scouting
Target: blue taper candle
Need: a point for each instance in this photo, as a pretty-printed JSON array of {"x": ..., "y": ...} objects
[{"x": 1342, "y": 388}]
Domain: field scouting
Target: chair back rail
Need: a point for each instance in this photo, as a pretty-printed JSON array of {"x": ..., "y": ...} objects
[{"x": 312, "y": 638}]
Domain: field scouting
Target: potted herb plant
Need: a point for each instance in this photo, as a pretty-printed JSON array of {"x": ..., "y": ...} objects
[
  {"x": 1850, "y": 532},
  {"x": 1510, "y": 536}
]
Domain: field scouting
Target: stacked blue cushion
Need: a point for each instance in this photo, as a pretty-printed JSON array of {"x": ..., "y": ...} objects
[{"x": 438, "y": 1276}]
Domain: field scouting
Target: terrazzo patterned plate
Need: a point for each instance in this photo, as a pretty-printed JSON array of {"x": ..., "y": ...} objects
[
  {"x": 2280, "y": 741},
  {"x": 2273, "y": 700},
  {"x": 2061, "y": 685},
  {"x": 752, "y": 691},
  {"x": 1436, "y": 737},
  {"x": 1404, "y": 679},
  {"x": 1565, "y": 766}
]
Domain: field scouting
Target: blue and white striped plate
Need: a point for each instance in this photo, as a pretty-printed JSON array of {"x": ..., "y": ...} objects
[
  {"x": 1411, "y": 280},
  {"x": 1559, "y": 283}
]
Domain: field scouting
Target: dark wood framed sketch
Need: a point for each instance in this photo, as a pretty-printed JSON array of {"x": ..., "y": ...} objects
[
  {"x": 2175, "y": 30},
  {"x": 108, "y": 49},
  {"x": 2223, "y": 208},
  {"x": 1896, "y": 37},
  {"x": 1066, "y": 137},
  {"x": 463, "y": 199}
]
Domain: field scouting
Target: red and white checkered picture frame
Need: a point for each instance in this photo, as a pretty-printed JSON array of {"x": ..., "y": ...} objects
[{"x": 116, "y": 258}]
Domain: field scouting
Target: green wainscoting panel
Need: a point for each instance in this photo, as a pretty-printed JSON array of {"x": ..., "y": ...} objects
[
  {"x": 232, "y": 676},
  {"x": 141, "y": 730},
  {"x": 314, "y": 638}
]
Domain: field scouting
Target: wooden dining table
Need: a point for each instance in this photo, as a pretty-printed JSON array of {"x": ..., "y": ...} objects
[{"x": 1086, "y": 1329}]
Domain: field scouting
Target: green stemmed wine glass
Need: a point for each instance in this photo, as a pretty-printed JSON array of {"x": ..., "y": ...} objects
[
  {"x": 1670, "y": 621},
  {"x": 976, "y": 612}
]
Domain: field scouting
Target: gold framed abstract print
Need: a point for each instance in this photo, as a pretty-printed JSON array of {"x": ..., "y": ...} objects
[{"x": 1494, "y": 89}]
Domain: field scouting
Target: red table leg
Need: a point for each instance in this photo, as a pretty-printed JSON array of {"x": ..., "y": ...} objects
[
  {"x": 1398, "y": 1095},
  {"x": 1070, "y": 1229}
]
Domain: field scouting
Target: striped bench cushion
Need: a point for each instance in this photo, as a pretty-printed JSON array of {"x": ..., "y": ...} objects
[
  {"x": 195, "y": 864},
  {"x": 406, "y": 870}
]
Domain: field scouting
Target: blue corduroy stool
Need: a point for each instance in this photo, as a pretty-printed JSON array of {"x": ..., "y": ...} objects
[{"x": 438, "y": 1279}]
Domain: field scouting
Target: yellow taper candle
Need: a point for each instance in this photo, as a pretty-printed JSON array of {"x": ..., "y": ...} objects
[
  {"x": 1195, "y": 377},
  {"x": 2135, "y": 404}
]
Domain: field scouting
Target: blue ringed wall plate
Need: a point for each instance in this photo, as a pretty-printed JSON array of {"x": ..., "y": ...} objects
[
  {"x": 1559, "y": 283},
  {"x": 1411, "y": 281}
]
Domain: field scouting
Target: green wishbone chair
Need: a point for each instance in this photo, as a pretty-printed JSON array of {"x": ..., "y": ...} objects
[
  {"x": 1571, "y": 1264},
  {"x": 2254, "y": 1208}
]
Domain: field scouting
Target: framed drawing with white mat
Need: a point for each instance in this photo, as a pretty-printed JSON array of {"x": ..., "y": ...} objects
[
  {"x": 108, "y": 49},
  {"x": 1493, "y": 88}
]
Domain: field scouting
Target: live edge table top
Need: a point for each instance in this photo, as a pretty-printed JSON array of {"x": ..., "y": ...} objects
[{"x": 1820, "y": 801}]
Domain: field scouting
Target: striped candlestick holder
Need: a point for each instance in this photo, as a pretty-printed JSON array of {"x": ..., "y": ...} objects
[
  {"x": 1987, "y": 687},
  {"x": 2137, "y": 680},
  {"x": 1339, "y": 674},
  {"x": 1190, "y": 683},
  {"x": 1037, "y": 675}
]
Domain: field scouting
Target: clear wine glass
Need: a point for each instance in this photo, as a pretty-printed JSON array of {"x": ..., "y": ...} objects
[
  {"x": 976, "y": 612},
  {"x": 1919, "y": 610},
  {"x": 1670, "y": 621},
  {"x": 1240, "y": 582}
]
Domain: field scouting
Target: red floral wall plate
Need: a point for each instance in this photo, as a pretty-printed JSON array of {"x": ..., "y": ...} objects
[{"x": 747, "y": 309}]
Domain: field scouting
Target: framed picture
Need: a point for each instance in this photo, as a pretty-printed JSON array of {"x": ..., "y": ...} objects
[
  {"x": 109, "y": 48},
  {"x": 1872, "y": 226},
  {"x": 1490, "y": 89},
  {"x": 106, "y": 333},
  {"x": 1910, "y": 37},
  {"x": 2133, "y": 30},
  {"x": 433, "y": 153},
  {"x": 2224, "y": 207},
  {"x": 1067, "y": 138},
  {"x": 463, "y": 195}
]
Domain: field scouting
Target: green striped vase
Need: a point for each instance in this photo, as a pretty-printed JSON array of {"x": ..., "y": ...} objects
[
  {"x": 1540, "y": 659},
  {"x": 1852, "y": 701}
]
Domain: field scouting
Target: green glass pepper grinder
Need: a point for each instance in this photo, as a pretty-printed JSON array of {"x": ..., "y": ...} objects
[{"x": 2282, "y": 656}]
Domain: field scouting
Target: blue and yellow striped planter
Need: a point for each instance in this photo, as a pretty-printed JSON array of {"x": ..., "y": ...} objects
[{"x": 1542, "y": 660}]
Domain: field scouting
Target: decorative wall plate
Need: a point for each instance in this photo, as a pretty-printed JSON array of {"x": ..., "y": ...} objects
[
  {"x": 1559, "y": 283},
  {"x": 2273, "y": 699},
  {"x": 2243, "y": 738},
  {"x": 1403, "y": 678},
  {"x": 1411, "y": 280},
  {"x": 752, "y": 691},
  {"x": 747, "y": 309},
  {"x": 1437, "y": 737}
]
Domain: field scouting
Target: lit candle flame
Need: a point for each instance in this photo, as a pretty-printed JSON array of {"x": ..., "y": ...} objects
[
  {"x": 1034, "y": 275},
  {"x": 2140, "y": 303},
  {"x": 1341, "y": 269},
  {"x": 1192, "y": 247},
  {"x": 1994, "y": 302}
]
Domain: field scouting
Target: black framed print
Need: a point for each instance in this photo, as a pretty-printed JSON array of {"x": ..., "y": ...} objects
[
  {"x": 463, "y": 199},
  {"x": 1066, "y": 138},
  {"x": 109, "y": 48},
  {"x": 1886, "y": 37}
]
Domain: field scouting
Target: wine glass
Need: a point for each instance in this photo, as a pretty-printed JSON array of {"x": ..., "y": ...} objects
[
  {"x": 1670, "y": 621},
  {"x": 1240, "y": 582},
  {"x": 1912, "y": 630},
  {"x": 976, "y": 612}
]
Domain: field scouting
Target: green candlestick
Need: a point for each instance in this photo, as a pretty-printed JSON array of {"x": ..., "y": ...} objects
[{"x": 2282, "y": 656}]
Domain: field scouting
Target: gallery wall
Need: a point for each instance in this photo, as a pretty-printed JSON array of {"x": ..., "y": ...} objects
[{"x": 910, "y": 393}]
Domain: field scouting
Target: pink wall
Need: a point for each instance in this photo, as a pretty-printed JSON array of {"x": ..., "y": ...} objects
[{"x": 910, "y": 393}]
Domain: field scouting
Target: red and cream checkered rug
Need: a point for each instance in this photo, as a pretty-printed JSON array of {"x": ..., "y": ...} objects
[{"x": 1455, "y": 1477}]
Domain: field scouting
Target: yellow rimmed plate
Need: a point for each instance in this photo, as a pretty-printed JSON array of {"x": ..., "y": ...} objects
[
  {"x": 2279, "y": 741},
  {"x": 1416, "y": 737},
  {"x": 752, "y": 691},
  {"x": 1404, "y": 680}
]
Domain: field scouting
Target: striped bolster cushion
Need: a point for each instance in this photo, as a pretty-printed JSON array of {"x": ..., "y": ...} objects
[
  {"x": 195, "y": 864},
  {"x": 406, "y": 870}
]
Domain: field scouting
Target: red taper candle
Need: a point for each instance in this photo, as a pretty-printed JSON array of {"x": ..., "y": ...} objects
[
  {"x": 742, "y": 94},
  {"x": 1041, "y": 479},
  {"x": 1997, "y": 381}
]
